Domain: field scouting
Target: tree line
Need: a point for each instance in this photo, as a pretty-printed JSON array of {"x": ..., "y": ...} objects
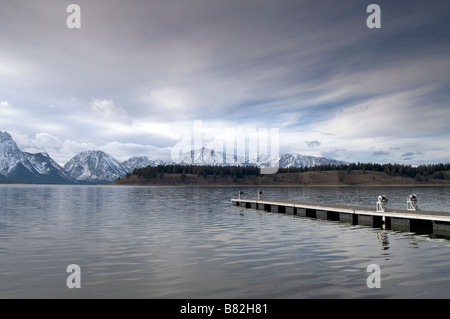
[
  {"x": 434, "y": 170},
  {"x": 199, "y": 170}
]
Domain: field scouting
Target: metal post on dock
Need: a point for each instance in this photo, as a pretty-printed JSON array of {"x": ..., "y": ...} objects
[
  {"x": 382, "y": 203},
  {"x": 411, "y": 202}
]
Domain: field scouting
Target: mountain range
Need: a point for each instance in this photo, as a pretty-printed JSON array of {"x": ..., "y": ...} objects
[
  {"x": 23, "y": 167},
  {"x": 97, "y": 167}
]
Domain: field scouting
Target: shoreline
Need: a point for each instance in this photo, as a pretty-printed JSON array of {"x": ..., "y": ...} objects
[
  {"x": 279, "y": 186},
  {"x": 325, "y": 179},
  {"x": 237, "y": 185}
]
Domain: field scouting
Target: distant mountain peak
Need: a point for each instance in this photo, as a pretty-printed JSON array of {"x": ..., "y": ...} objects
[
  {"x": 140, "y": 161},
  {"x": 95, "y": 166},
  {"x": 18, "y": 166},
  {"x": 4, "y": 136}
]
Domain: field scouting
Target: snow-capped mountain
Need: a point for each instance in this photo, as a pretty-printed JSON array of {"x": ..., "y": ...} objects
[
  {"x": 23, "y": 167},
  {"x": 95, "y": 167},
  {"x": 141, "y": 161},
  {"x": 297, "y": 160},
  {"x": 207, "y": 156}
]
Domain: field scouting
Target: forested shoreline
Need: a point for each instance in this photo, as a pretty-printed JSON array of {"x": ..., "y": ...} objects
[{"x": 344, "y": 174}]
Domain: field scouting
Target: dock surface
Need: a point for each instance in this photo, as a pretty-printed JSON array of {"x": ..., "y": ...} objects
[{"x": 419, "y": 221}]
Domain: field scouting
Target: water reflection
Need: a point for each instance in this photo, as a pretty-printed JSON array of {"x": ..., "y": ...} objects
[
  {"x": 175, "y": 242},
  {"x": 383, "y": 239}
]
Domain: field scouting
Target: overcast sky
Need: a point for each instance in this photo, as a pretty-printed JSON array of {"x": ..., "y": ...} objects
[{"x": 137, "y": 74}]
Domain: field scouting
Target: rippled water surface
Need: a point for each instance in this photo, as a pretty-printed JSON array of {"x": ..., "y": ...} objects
[{"x": 177, "y": 242}]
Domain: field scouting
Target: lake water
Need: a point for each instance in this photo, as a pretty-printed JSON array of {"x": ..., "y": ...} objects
[{"x": 190, "y": 242}]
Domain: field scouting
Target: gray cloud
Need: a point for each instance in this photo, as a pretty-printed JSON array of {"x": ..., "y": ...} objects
[
  {"x": 312, "y": 143},
  {"x": 408, "y": 154},
  {"x": 380, "y": 153},
  {"x": 337, "y": 153}
]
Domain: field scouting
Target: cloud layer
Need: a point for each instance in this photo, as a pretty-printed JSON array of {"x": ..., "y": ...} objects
[{"x": 136, "y": 76}]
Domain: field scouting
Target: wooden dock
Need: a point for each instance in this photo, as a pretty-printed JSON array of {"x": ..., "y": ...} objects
[{"x": 422, "y": 222}]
